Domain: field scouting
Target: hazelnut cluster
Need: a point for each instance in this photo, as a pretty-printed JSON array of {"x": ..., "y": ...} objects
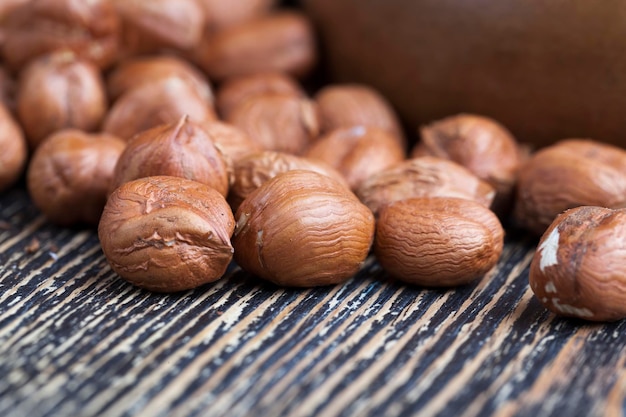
[{"x": 189, "y": 133}]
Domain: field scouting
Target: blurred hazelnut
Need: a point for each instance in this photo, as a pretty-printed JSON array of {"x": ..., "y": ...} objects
[
  {"x": 222, "y": 14},
  {"x": 7, "y": 89},
  {"x": 232, "y": 142},
  {"x": 14, "y": 149}
]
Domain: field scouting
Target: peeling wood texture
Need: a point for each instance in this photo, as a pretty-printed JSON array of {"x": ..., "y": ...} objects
[{"x": 76, "y": 340}]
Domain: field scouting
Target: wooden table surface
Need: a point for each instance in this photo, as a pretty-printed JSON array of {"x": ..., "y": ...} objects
[{"x": 76, "y": 340}]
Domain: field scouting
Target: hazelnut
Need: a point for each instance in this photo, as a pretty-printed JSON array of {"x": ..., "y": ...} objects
[
  {"x": 167, "y": 234},
  {"x": 153, "y": 104},
  {"x": 438, "y": 242},
  {"x": 302, "y": 229},
  {"x": 357, "y": 152},
  {"x": 59, "y": 91},
  {"x": 426, "y": 176},
  {"x": 255, "y": 169},
  {"x": 70, "y": 173},
  {"x": 348, "y": 105},
  {"x": 37, "y": 27},
  {"x": 578, "y": 269},
  {"x": 222, "y": 14},
  {"x": 181, "y": 149},
  {"x": 480, "y": 144},
  {"x": 232, "y": 142},
  {"x": 568, "y": 174},
  {"x": 278, "y": 122},
  {"x": 236, "y": 90},
  {"x": 14, "y": 150},
  {"x": 7, "y": 89},
  {"x": 281, "y": 41}
]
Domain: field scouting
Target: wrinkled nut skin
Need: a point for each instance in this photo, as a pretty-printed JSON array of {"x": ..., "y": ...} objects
[
  {"x": 357, "y": 152},
  {"x": 60, "y": 91},
  {"x": 255, "y": 169},
  {"x": 438, "y": 242},
  {"x": 37, "y": 27},
  {"x": 278, "y": 122},
  {"x": 425, "y": 176},
  {"x": 282, "y": 41},
  {"x": 480, "y": 144},
  {"x": 167, "y": 234},
  {"x": 181, "y": 149},
  {"x": 302, "y": 229},
  {"x": 220, "y": 14},
  {"x": 150, "y": 105},
  {"x": 348, "y": 105},
  {"x": 236, "y": 90},
  {"x": 14, "y": 148},
  {"x": 70, "y": 173},
  {"x": 137, "y": 71},
  {"x": 578, "y": 269},
  {"x": 570, "y": 173}
]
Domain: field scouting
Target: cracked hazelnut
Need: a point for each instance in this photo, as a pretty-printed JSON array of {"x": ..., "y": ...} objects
[{"x": 14, "y": 152}]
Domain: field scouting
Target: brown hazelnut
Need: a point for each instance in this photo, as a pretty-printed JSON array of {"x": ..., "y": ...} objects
[
  {"x": 167, "y": 234},
  {"x": 59, "y": 91},
  {"x": 70, "y": 173},
  {"x": 236, "y": 90},
  {"x": 578, "y": 269},
  {"x": 282, "y": 41},
  {"x": 302, "y": 229},
  {"x": 137, "y": 71},
  {"x": 278, "y": 122},
  {"x": 255, "y": 169},
  {"x": 425, "y": 176},
  {"x": 348, "y": 105},
  {"x": 232, "y": 142},
  {"x": 222, "y": 14},
  {"x": 181, "y": 149},
  {"x": 480, "y": 144},
  {"x": 568, "y": 174},
  {"x": 14, "y": 149},
  {"x": 7, "y": 89},
  {"x": 156, "y": 103},
  {"x": 37, "y": 27},
  {"x": 357, "y": 152},
  {"x": 438, "y": 242}
]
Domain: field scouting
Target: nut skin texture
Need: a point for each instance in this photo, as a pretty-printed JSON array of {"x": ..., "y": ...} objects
[
  {"x": 150, "y": 105},
  {"x": 59, "y": 91},
  {"x": 302, "y": 229},
  {"x": 425, "y": 176},
  {"x": 37, "y": 27},
  {"x": 438, "y": 242},
  {"x": 578, "y": 269},
  {"x": 181, "y": 149},
  {"x": 278, "y": 122},
  {"x": 570, "y": 173},
  {"x": 357, "y": 152},
  {"x": 167, "y": 234},
  {"x": 282, "y": 41},
  {"x": 480, "y": 144},
  {"x": 222, "y": 14},
  {"x": 70, "y": 173},
  {"x": 255, "y": 169},
  {"x": 14, "y": 152}
]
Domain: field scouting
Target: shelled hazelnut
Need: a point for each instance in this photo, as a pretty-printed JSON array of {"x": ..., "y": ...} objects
[
  {"x": 221, "y": 14},
  {"x": 232, "y": 142},
  {"x": 14, "y": 152}
]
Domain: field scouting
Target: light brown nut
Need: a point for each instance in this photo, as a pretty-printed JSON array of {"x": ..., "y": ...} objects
[
  {"x": 222, "y": 14},
  {"x": 137, "y": 71},
  {"x": 255, "y": 169},
  {"x": 438, "y": 242},
  {"x": 425, "y": 176},
  {"x": 236, "y": 90},
  {"x": 283, "y": 41},
  {"x": 480, "y": 144},
  {"x": 357, "y": 152},
  {"x": 37, "y": 27},
  {"x": 150, "y": 105},
  {"x": 568, "y": 174},
  {"x": 14, "y": 150},
  {"x": 578, "y": 269},
  {"x": 69, "y": 175},
  {"x": 278, "y": 122},
  {"x": 302, "y": 229},
  {"x": 181, "y": 149},
  {"x": 59, "y": 91},
  {"x": 348, "y": 105},
  {"x": 167, "y": 234}
]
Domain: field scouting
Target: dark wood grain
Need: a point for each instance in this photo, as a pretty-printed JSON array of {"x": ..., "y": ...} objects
[{"x": 76, "y": 340}]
